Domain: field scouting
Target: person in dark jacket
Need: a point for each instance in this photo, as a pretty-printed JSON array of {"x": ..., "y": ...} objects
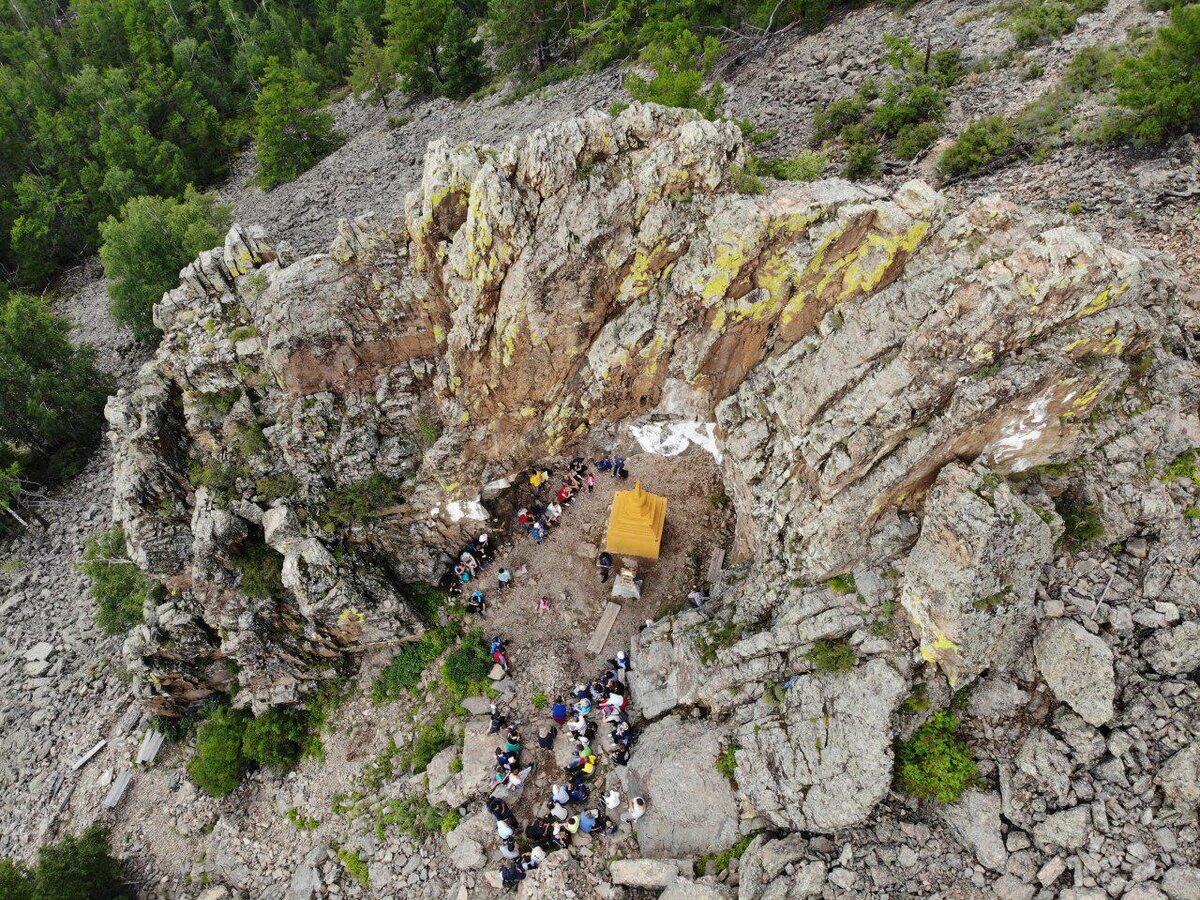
[{"x": 512, "y": 874}]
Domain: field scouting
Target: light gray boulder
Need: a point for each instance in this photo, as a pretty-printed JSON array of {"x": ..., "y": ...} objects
[
  {"x": 1068, "y": 829},
  {"x": 974, "y": 821},
  {"x": 1078, "y": 667},
  {"x": 690, "y": 807},
  {"x": 1173, "y": 651}
]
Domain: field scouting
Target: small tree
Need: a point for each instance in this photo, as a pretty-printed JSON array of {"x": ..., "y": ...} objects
[
  {"x": 414, "y": 38},
  {"x": 371, "y": 71},
  {"x": 680, "y": 71},
  {"x": 293, "y": 132},
  {"x": 145, "y": 247},
  {"x": 981, "y": 143},
  {"x": 276, "y": 739}
]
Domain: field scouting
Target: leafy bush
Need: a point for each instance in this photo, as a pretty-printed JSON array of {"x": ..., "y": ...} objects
[
  {"x": 980, "y": 145},
  {"x": 431, "y": 740},
  {"x": 78, "y": 867},
  {"x": 727, "y": 761},
  {"x": 913, "y": 140},
  {"x": 935, "y": 763},
  {"x": 356, "y": 866},
  {"x": 832, "y": 656},
  {"x": 262, "y": 571},
  {"x": 423, "y": 597},
  {"x": 1092, "y": 69},
  {"x": 144, "y": 248},
  {"x": 680, "y": 71},
  {"x": 829, "y": 121},
  {"x": 118, "y": 585},
  {"x": 1161, "y": 88},
  {"x": 862, "y": 161},
  {"x": 1185, "y": 465},
  {"x": 220, "y": 479},
  {"x": 842, "y": 584},
  {"x": 807, "y": 166},
  {"x": 276, "y": 739},
  {"x": 466, "y": 667},
  {"x": 218, "y": 763}
]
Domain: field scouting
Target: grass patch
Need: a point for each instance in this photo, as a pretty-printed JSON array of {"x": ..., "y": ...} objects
[
  {"x": 727, "y": 762},
  {"x": 716, "y": 863},
  {"x": 403, "y": 674},
  {"x": 1081, "y": 520},
  {"x": 1185, "y": 465},
  {"x": 262, "y": 571},
  {"x": 356, "y": 866},
  {"x": 842, "y": 584},
  {"x": 935, "y": 763}
]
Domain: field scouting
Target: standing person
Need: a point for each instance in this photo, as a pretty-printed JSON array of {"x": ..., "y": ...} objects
[
  {"x": 537, "y": 479},
  {"x": 512, "y": 875},
  {"x": 543, "y": 605},
  {"x": 504, "y": 577},
  {"x": 475, "y": 603},
  {"x": 618, "y": 463},
  {"x": 637, "y": 809},
  {"x": 604, "y": 564},
  {"x": 546, "y": 737},
  {"x": 591, "y": 481},
  {"x": 558, "y": 712}
]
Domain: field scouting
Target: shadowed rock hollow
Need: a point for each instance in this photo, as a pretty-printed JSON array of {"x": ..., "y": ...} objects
[{"x": 854, "y": 349}]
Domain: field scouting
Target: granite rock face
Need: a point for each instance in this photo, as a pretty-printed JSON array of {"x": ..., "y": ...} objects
[{"x": 346, "y": 416}]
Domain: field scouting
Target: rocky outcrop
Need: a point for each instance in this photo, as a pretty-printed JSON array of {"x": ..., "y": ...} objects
[
  {"x": 970, "y": 580},
  {"x": 847, "y": 343},
  {"x": 825, "y": 758}
]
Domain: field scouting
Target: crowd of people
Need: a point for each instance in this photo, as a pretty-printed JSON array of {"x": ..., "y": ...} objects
[
  {"x": 574, "y": 805},
  {"x": 571, "y": 807}
]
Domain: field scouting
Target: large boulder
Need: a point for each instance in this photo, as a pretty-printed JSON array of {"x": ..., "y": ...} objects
[
  {"x": 974, "y": 821},
  {"x": 970, "y": 580},
  {"x": 1180, "y": 782},
  {"x": 1078, "y": 667},
  {"x": 690, "y": 805},
  {"x": 824, "y": 759},
  {"x": 1173, "y": 651}
]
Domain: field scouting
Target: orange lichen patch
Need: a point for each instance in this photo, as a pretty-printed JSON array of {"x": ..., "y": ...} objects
[{"x": 347, "y": 366}]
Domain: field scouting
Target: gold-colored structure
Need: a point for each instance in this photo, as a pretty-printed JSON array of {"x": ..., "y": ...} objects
[{"x": 635, "y": 525}]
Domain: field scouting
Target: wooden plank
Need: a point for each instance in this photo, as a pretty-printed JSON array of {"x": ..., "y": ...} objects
[
  {"x": 118, "y": 789},
  {"x": 607, "y": 619},
  {"x": 152, "y": 742},
  {"x": 715, "y": 564},
  {"x": 79, "y": 763}
]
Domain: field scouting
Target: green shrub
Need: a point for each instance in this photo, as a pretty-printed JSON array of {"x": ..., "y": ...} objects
[
  {"x": 913, "y": 140},
  {"x": 262, "y": 571},
  {"x": 807, "y": 166},
  {"x": 1092, "y": 69},
  {"x": 715, "y": 863},
  {"x": 833, "y": 118},
  {"x": 745, "y": 183},
  {"x": 832, "y": 656},
  {"x": 118, "y": 585},
  {"x": 144, "y": 249},
  {"x": 218, "y": 763},
  {"x": 1081, "y": 520},
  {"x": 862, "y": 161},
  {"x": 681, "y": 69},
  {"x": 403, "y": 674},
  {"x": 423, "y": 597},
  {"x": 842, "y": 584},
  {"x": 540, "y": 701},
  {"x": 935, "y": 763},
  {"x": 431, "y": 740},
  {"x": 1161, "y": 87},
  {"x": 220, "y": 480},
  {"x": 981, "y": 144},
  {"x": 278, "y": 487},
  {"x": 78, "y": 867},
  {"x": 466, "y": 667},
  {"x": 276, "y": 739},
  {"x": 1035, "y": 22},
  {"x": 727, "y": 762}
]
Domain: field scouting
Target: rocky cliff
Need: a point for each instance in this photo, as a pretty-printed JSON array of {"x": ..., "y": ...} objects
[{"x": 901, "y": 390}]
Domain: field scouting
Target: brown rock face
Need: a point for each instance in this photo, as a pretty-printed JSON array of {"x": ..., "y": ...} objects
[{"x": 847, "y": 343}]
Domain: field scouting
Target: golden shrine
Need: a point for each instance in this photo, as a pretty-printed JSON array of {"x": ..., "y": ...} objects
[{"x": 635, "y": 525}]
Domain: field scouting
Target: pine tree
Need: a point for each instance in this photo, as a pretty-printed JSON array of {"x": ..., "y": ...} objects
[
  {"x": 414, "y": 38},
  {"x": 371, "y": 70},
  {"x": 466, "y": 72},
  {"x": 293, "y": 132}
]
